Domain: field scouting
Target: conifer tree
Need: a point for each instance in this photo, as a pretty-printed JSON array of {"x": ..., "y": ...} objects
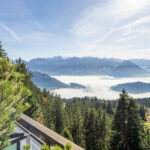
[
  {"x": 59, "y": 120},
  {"x": 2, "y": 51},
  {"x": 21, "y": 68},
  {"x": 104, "y": 105},
  {"x": 126, "y": 126},
  {"x": 77, "y": 125},
  {"x": 142, "y": 112},
  {"x": 85, "y": 125},
  {"x": 91, "y": 138},
  {"x": 119, "y": 127},
  {"x": 48, "y": 109},
  {"x": 109, "y": 108},
  {"x": 101, "y": 131},
  {"x": 134, "y": 127},
  {"x": 33, "y": 100},
  {"x": 12, "y": 96}
]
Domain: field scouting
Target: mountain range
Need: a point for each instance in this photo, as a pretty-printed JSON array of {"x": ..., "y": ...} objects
[
  {"x": 89, "y": 66},
  {"x": 43, "y": 80}
]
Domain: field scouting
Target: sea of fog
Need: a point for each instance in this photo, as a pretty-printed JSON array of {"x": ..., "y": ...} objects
[{"x": 98, "y": 86}]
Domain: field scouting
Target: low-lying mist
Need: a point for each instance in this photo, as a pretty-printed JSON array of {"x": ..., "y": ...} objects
[{"x": 99, "y": 86}]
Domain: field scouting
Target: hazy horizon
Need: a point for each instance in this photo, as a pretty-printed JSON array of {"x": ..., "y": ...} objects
[{"x": 78, "y": 57}]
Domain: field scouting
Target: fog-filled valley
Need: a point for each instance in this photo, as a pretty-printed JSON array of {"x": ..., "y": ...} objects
[{"x": 99, "y": 86}]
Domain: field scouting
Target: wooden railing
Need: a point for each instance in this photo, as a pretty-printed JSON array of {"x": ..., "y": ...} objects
[{"x": 28, "y": 122}]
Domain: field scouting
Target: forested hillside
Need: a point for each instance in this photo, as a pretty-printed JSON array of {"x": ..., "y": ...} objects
[
  {"x": 43, "y": 80},
  {"x": 133, "y": 87}
]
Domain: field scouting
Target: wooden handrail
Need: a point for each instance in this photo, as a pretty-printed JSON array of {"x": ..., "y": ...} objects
[{"x": 51, "y": 134}]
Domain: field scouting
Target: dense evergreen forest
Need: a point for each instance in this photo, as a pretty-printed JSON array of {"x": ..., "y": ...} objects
[{"x": 92, "y": 123}]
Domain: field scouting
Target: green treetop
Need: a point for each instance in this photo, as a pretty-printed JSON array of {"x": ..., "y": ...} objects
[
  {"x": 2, "y": 52},
  {"x": 127, "y": 126}
]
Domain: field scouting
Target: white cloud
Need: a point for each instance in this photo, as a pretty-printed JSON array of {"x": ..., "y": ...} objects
[
  {"x": 108, "y": 14},
  {"x": 11, "y": 32},
  {"x": 128, "y": 8},
  {"x": 112, "y": 23},
  {"x": 135, "y": 23}
]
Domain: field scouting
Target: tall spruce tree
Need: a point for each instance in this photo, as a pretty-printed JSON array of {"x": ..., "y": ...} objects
[
  {"x": 142, "y": 112},
  {"x": 101, "y": 131},
  {"x": 135, "y": 128},
  {"x": 58, "y": 114},
  {"x": 119, "y": 127},
  {"x": 109, "y": 108},
  {"x": 2, "y": 51},
  {"x": 77, "y": 125},
  {"x": 85, "y": 126},
  {"x": 91, "y": 139},
  {"x": 126, "y": 126}
]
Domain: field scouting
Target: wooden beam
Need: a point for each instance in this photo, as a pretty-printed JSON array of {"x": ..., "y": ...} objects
[
  {"x": 30, "y": 133},
  {"x": 51, "y": 134}
]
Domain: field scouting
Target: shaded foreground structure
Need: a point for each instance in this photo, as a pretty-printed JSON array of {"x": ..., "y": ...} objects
[
  {"x": 29, "y": 131},
  {"x": 21, "y": 137}
]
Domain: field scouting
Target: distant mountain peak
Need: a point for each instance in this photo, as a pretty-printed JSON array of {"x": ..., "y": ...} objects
[
  {"x": 127, "y": 68},
  {"x": 127, "y": 63}
]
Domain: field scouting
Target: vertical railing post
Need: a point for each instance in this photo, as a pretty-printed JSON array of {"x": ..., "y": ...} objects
[
  {"x": 28, "y": 139},
  {"x": 18, "y": 145}
]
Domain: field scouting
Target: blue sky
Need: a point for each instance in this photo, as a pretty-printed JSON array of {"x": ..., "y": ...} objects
[{"x": 101, "y": 28}]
